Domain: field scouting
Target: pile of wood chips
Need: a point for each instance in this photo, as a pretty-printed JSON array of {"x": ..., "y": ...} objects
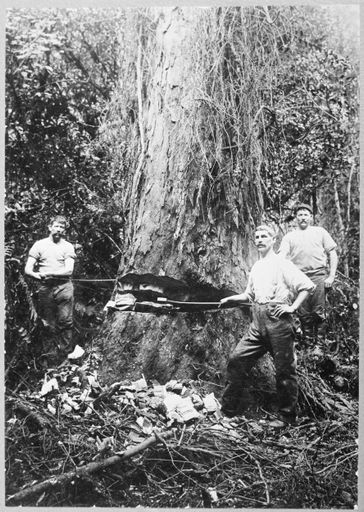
[{"x": 72, "y": 442}]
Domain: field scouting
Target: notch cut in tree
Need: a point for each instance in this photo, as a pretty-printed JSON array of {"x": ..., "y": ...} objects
[{"x": 163, "y": 294}]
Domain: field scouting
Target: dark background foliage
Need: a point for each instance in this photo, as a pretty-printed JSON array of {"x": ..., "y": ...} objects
[
  {"x": 72, "y": 129},
  {"x": 61, "y": 67}
]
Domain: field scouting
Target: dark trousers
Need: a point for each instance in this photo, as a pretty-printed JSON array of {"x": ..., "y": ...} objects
[
  {"x": 55, "y": 300},
  {"x": 266, "y": 334},
  {"x": 312, "y": 311}
]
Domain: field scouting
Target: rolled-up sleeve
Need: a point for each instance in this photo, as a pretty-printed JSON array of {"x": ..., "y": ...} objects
[
  {"x": 34, "y": 251},
  {"x": 70, "y": 254},
  {"x": 69, "y": 251},
  {"x": 296, "y": 280},
  {"x": 327, "y": 241}
]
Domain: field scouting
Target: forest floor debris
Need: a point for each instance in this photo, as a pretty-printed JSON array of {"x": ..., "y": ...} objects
[{"x": 69, "y": 422}]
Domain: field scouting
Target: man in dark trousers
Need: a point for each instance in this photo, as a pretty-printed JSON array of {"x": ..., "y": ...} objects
[
  {"x": 276, "y": 288},
  {"x": 51, "y": 263},
  {"x": 311, "y": 248}
]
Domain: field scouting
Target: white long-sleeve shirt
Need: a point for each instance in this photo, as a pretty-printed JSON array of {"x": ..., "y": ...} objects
[{"x": 275, "y": 279}]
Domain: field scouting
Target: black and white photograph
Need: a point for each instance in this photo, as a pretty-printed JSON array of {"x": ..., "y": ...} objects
[{"x": 182, "y": 256}]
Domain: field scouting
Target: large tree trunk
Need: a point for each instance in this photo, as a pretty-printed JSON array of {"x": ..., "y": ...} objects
[{"x": 179, "y": 224}]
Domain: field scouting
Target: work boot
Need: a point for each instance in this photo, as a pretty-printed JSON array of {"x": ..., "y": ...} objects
[
  {"x": 281, "y": 421},
  {"x": 230, "y": 399},
  {"x": 229, "y": 413},
  {"x": 277, "y": 424}
]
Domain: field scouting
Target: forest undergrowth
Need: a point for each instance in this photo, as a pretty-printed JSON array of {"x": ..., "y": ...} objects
[{"x": 70, "y": 441}]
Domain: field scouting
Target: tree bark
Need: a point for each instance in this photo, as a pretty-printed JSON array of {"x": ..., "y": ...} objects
[{"x": 177, "y": 226}]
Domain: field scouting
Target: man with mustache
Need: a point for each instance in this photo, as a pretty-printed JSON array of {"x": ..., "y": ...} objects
[
  {"x": 51, "y": 262},
  {"x": 277, "y": 288},
  {"x": 310, "y": 248}
]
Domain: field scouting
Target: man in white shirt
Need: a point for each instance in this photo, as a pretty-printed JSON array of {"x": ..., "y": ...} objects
[
  {"x": 277, "y": 288},
  {"x": 311, "y": 248},
  {"x": 51, "y": 262}
]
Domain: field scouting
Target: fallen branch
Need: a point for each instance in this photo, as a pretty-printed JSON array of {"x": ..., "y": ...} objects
[
  {"x": 88, "y": 469},
  {"x": 201, "y": 450},
  {"x": 264, "y": 482},
  {"x": 289, "y": 446}
]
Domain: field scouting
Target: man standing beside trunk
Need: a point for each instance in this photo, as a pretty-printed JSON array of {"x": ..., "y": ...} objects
[
  {"x": 310, "y": 248},
  {"x": 276, "y": 289},
  {"x": 51, "y": 263}
]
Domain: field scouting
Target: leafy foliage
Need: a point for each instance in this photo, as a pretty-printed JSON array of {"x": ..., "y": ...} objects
[
  {"x": 61, "y": 67},
  {"x": 274, "y": 119},
  {"x": 278, "y": 112},
  {"x": 310, "y": 132},
  {"x": 343, "y": 318}
]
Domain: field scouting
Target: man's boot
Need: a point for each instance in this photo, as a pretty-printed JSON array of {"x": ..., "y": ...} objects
[{"x": 230, "y": 399}]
